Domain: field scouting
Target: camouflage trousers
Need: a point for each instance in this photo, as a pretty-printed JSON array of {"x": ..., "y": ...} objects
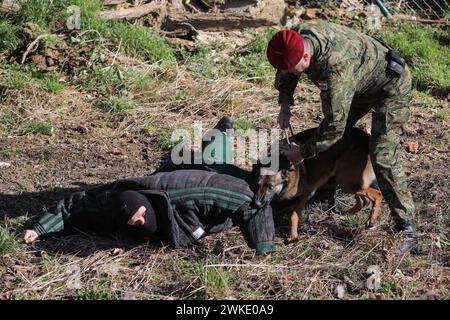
[{"x": 390, "y": 111}]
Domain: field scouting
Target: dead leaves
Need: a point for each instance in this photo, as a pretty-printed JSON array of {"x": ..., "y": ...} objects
[{"x": 411, "y": 147}]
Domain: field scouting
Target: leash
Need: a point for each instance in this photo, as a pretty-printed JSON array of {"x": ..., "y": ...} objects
[{"x": 287, "y": 135}]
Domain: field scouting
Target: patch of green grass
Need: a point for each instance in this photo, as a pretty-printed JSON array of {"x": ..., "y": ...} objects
[
  {"x": 117, "y": 104},
  {"x": 134, "y": 39},
  {"x": 424, "y": 99},
  {"x": 9, "y": 40},
  {"x": 52, "y": 84},
  {"x": 181, "y": 95},
  {"x": 243, "y": 125},
  {"x": 423, "y": 48},
  {"x": 50, "y": 41},
  {"x": 442, "y": 115},
  {"x": 95, "y": 294},
  {"x": 148, "y": 129},
  {"x": 165, "y": 140},
  {"x": 37, "y": 127},
  {"x": 8, "y": 121},
  {"x": 251, "y": 60},
  {"x": 137, "y": 40},
  {"x": 355, "y": 221},
  {"x": 23, "y": 77},
  {"x": 91, "y": 173},
  {"x": 107, "y": 81},
  {"x": 101, "y": 80},
  {"x": 141, "y": 41},
  {"x": 389, "y": 288},
  {"x": 216, "y": 280},
  {"x": 18, "y": 78},
  {"x": 202, "y": 60},
  {"x": 37, "y": 11},
  {"x": 138, "y": 81},
  {"x": 8, "y": 241}
]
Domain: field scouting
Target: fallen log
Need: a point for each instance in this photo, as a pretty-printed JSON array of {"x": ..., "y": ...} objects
[
  {"x": 113, "y": 2},
  {"x": 247, "y": 14},
  {"x": 134, "y": 12}
]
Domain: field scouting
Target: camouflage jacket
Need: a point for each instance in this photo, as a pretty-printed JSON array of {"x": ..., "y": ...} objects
[
  {"x": 347, "y": 66},
  {"x": 192, "y": 203}
]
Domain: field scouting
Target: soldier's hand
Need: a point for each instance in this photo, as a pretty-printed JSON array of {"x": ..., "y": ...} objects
[
  {"x": 29, "y": 236},
  {"x": 284, "y": 118}
]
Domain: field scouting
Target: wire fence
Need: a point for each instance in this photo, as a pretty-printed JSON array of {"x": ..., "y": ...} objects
[{"x": 432, "y": 10}]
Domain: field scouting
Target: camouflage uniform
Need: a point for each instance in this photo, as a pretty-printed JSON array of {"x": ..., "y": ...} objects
[{"x": 349, "y": 68}]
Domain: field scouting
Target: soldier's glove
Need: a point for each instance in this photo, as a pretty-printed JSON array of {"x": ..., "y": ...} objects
[{"x": 284, "y": 118}]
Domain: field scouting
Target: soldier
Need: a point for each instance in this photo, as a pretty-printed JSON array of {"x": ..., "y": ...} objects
[{"x": 356, "y": 74}]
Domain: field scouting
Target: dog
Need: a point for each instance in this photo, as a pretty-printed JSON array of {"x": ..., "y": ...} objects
[{"x": 347, "y": 162}]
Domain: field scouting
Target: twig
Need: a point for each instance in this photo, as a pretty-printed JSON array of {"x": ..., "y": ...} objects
[
  {"x": 117, "y": 52},
  {"x": 32, "y": 47}
]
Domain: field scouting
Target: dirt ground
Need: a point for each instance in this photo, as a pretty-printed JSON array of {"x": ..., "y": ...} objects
[{"x": 334, "y": 250}]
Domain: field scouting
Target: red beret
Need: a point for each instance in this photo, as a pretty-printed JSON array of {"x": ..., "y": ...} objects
[{"x": 285, "y": 49}]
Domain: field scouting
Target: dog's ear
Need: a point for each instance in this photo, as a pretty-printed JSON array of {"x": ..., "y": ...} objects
[{"x": 293, "y": 154}]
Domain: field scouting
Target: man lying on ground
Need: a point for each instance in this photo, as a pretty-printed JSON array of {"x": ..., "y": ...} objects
[{"x": 179, "y": 207}]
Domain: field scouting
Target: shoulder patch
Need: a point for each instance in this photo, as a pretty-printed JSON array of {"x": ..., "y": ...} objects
[{"x": 323, "y": 85}]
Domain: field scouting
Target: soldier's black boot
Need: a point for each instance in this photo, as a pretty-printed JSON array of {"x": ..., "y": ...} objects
[
  {"x": 410, "y": 241},
  {"x": 224, "y": 124}
]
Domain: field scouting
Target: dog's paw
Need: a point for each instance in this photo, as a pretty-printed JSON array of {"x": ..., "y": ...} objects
[
  {"x": 290, "y": 240},
  {"x": 369, "y": 225}
]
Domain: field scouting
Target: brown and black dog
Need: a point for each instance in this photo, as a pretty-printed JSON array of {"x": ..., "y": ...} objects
[{"x": 347, "y": 162}]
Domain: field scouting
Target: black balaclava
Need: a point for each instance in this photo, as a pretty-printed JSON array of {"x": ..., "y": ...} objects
[{"x": 130, "y": 202}]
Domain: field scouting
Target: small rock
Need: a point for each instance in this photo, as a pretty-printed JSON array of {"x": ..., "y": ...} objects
[
  {"x": 340, "y": 291},
  {"x": 373, "y": 282},
  {"x": 5, "y": 164},
  {"x": 310, "y": 14},
  {"x": 82, "y": 129},
  {"x": 116, "y": 251}
]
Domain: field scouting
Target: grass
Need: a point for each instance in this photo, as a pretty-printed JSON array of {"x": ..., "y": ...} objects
[
  {"x": 216, "y": 280},
  {"x": 251, "y": 62},
  {"x": 203, "y": 60},
  {"x": 52, "y": 84},
  {"x": 9, "y": 40},
  {"x": 50, "y": 17},
  {"x": 427, "y": 51},
  {"x": 106, "y": 81},
  {"x": 136, "y": 40},
  {"x": 8, "y": 121},
  {"x": 442, "y": 115},
  {"x": 23, "y": 77},
  {"x": 424, "y": 99},
  {"x": 8, "y": 241},
  {"x": 18, "y": 77},
  {"x": 37, "y": 127},
  {"x": 243, "y": 125},
  {"x": 117, "y": 104},
  {"x": 95, "y": 294},
  {"x": 164, "y": 139}
]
